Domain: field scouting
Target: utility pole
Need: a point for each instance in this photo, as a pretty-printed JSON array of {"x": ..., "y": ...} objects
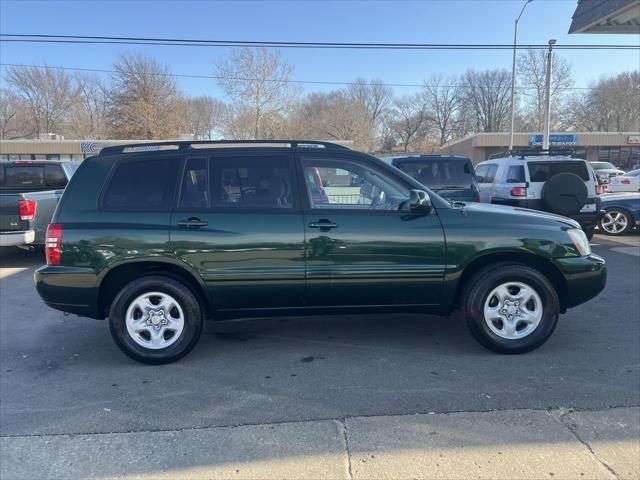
[
  {"x": 547, "y": 99},
  {"x": 513, "y": 75}
]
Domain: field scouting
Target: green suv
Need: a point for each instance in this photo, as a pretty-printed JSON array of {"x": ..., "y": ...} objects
[{"x": 161, "y": 237}]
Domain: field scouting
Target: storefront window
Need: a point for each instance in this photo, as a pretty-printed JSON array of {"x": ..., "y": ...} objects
[{"x": 622, "y": 157}]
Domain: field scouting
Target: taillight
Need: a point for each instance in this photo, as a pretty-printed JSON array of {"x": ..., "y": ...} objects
[
  {"x": 518, "y": 192},
  {"x": 27, "y": 209},
  {"x": 53, "y": 245},
  {"x": 477, "y": 199},
  {"x": 625, "y": 181}
]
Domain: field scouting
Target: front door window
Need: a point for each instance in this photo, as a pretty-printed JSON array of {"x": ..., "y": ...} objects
[{"x": 350, "y": 184}]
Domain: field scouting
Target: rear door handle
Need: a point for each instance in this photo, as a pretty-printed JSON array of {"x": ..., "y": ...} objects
[
  {"x": 323, "y": 224},
  {"x": 193, "y": 222}
]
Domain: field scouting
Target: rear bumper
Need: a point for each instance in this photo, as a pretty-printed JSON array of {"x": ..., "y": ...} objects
[
  {"x": 69, "y": 289},
  {"x": 9, "y": 239},
  {"x": 586, "y": 277}
]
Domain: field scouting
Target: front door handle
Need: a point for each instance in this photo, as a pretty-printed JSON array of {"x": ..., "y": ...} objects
[
  {"x": 192, "y": 222},
  {"x": 323, "y": 223}
]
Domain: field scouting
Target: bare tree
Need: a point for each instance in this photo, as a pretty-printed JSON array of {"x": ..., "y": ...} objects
[
  {"x": 373, "y": 97},
  {"x": 144, "y": 99},
  {"x": 443, "y": 97},
  {"x": 532, "y": 74},
  {"x": 204, "y": 116},
  {"x": 9, "y": 105},
  {"x": 410, "y": 112},
  {"x": 487, "y": 99},
  {"x": 257, "y": 80},
  {"x": 46, "y": 91},
  {"x": 611, "y": 104},
  {"x": 387, "y": 132},
  {"x": 333, "y": 116},
  {"x": 90, "y": 106}
]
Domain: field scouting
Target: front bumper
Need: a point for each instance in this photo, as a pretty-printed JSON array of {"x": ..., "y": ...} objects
[
  {"x": 69, "y": 289},
  {"x": 585, "y": 277},
  {"x": 10, "y": 239}
]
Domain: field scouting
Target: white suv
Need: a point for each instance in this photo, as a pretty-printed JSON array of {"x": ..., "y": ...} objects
[{"x": 557, "y": 184}]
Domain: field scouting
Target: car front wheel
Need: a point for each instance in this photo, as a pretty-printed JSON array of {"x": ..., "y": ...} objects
[
  {"x": 155, "y": 320},
  {"x": 511, "y": 308},
  {"x": 615, "y": 222}
]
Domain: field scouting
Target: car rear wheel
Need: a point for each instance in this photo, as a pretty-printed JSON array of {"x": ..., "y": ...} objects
[
  {"x": 155, "y": 320},
  {"x": 615, "y": 222},
  {"x": 511, "y": 308}
]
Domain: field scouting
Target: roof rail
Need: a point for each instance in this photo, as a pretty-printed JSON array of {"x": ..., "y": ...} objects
[
  {"x": 185, "y": 145},
  {"x": 529, "y": 152}
]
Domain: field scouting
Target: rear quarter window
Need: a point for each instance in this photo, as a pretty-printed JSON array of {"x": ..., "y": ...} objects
[
  {"x": 486, "y": 173},
  {"x": 515, "y": 174},
  {"x": 142, "y": 185},
  {"x": 543, "y": 171}
]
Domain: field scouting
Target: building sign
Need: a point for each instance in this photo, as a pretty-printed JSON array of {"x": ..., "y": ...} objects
[
  {"x": 91, "y": 148},
  {"x": 633, "y": 140},
  {"x": 554, "y": 140}
]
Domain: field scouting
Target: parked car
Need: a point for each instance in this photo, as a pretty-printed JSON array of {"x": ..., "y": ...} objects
[
  {"x": 29, "y": 193},
  {"x": 160, "y": 237},
  {"x": 557, "y": 184},
  {"x": 621, "y": 213},
  {"x": 453, "y": 178},
  {"x": 606, "y": 170},
  {"x": 629, "y": 182}
]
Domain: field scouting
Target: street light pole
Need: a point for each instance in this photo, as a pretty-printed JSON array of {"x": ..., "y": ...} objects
[
  {"x": 547, "y": 98},
  {"x": 513, "y": 75}
]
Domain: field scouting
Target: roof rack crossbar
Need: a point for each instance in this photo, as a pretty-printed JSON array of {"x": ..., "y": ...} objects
[
  {"x": 523, "y": 152},
  {"x": 185, "y": 145}
]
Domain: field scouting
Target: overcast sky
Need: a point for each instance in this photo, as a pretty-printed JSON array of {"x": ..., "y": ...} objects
[{"x": 420, "y": 21}]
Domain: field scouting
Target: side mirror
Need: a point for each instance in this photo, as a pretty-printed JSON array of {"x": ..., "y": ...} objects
[{"x": 419, "y": 201}]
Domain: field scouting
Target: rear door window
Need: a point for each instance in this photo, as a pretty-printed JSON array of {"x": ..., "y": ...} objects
[
  {"x": 252, "y": 182},
  {"x": 194, "y": 191},
  {"x": 543, "y": 171},
  {"x": 142, "y": 185}
]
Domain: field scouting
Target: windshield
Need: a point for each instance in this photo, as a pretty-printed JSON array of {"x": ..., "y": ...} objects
[
  {"x": 439, "y": 174},
  {"x": 632, "y": 173},
  {"x": 602, "y": 165}
]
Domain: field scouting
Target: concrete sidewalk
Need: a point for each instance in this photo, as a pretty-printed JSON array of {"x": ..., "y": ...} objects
[{"x": 500, "y": 444}]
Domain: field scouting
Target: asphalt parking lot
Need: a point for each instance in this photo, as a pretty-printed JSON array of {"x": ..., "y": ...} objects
[{"x": 64, "y": 375}]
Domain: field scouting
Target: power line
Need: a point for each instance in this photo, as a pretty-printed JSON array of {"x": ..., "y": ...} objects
[
  {"x": 242, "y": 79},
  {"x": 86, "y": 39}
]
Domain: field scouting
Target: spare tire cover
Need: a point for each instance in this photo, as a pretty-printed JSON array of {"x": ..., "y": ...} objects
[{"x": 564, "y": 194}]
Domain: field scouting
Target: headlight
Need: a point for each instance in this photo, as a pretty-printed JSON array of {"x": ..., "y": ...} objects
[{"x": 579, "y": 239}]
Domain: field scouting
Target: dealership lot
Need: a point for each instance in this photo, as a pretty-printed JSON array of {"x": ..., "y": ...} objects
[{"x": 349, "y": 377}]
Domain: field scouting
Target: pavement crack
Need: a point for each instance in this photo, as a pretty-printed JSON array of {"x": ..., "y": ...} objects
[
  {"x": 549, "y": 410},
  {"x": 343, "y": 424},
  {"x": 563, "y": 419}
]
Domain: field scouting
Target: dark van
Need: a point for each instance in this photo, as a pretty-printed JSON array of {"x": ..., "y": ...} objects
[{"x": 453, "y": 178}]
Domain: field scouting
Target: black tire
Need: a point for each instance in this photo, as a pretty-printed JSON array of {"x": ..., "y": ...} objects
[
  {"x": 564, "y": 194},
  {"x": 609, "y": 230},
  {"x": 482, "y": 284},
  {"x": 193, "y": 320}
]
